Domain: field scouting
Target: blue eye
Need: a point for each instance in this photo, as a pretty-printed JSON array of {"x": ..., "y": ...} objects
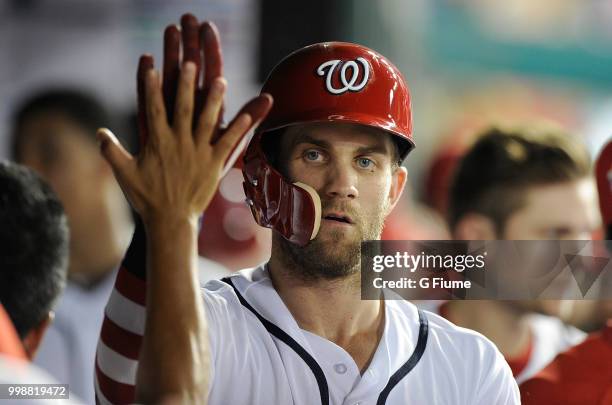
[
  {"x": 312, "y": 155},
  {"x": 364, "y": 163}
]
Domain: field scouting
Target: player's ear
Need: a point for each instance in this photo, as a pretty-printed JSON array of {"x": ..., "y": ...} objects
[
  {"x": 473, "y": 226},
  {"x": 33, "y": 338},
  {"x": 398, "y": 182}
]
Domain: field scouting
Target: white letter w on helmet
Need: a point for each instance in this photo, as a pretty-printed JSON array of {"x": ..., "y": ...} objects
[{"x": 348, "y": 85}]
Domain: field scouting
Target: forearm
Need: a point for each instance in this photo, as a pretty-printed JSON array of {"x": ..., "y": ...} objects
[
  {"x": 174, "y": 359},
  {"x": 123, "y": 327}
]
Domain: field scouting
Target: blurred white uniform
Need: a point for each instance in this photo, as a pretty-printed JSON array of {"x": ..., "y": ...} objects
[
  {"x": 14, "y": 371},
  {"x": 550, "y": 336},
  {"x": 68, "y": 349}
]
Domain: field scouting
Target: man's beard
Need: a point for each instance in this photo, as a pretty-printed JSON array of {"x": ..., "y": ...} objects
[{"x": 339, "y": 255}]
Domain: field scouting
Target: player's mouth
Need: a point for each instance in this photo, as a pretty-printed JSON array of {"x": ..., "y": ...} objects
[{"x": 338, "y": 218}]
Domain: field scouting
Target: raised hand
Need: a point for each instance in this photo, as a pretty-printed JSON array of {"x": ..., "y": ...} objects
[
  {"x": 184, "y": 147},
  {"x": 184, "y": 150},
  {"x": 197, "y": 41}
]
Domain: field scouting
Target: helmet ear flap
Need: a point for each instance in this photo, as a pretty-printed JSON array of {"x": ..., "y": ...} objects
[
  {"x": 291, "y": 209},
  {"x": 317, "y": 206}
]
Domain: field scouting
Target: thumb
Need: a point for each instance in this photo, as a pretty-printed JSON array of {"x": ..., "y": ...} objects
[{"x": 121, "y": 161}]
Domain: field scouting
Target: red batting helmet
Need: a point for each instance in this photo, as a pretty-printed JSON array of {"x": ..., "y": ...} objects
[{"x": 326, "y": 82}]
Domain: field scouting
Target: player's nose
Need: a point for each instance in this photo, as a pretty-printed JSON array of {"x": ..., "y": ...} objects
[{"x": 342, "y": 181}]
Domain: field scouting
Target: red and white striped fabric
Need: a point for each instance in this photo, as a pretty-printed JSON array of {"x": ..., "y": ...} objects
[{"x": 120, "y": 340}]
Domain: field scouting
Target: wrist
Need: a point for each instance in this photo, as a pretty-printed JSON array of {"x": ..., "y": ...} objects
[
  {"x": 170, "y": 223},
  {"x": 172, "y": 243}
]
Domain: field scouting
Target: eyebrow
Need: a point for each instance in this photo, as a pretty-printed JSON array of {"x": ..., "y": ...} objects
[
  {"x": 305, "y": 138},
  {"x": 364, "y": 150},
  {"x": 368, "y": 150}
]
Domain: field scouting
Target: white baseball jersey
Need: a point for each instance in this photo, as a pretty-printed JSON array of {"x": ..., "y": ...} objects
[
  {"x": 550, "y": 336},
  {"x": 261, "y": 356},
  {"x": 421, "y": 358}
]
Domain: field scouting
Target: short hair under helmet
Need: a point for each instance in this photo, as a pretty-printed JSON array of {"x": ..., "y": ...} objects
[{"x": 326, "y": 82}]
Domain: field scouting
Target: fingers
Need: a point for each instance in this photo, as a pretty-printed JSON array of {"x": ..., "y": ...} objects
[
  {"x": 156, "y": 111},
  {"x": 257, "y": 108},
  {"x": 191, "y": 42},
  {"x": 233, "y": 135},
  {"x": 250, "y": 115},
  {"x": 144, "y": 64},
  {"x": 207, "y": 124},
  {"x": 213, "y": 66},
  {"x": 120, "y": 160},
  {"x": 213, "y": 59},
  {"x": 172, "y": 44},
  {"x": 183, "y": 114}
]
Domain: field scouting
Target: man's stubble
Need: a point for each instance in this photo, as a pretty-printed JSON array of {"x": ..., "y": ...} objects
[{"x": 336, "y": 256}]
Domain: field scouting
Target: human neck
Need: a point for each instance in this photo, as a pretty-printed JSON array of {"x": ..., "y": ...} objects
[
  {"x": 506, "y": 327},
  {"x": 332, "y": 309}
]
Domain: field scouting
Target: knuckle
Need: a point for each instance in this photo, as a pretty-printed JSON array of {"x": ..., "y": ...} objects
[
  {"x": 156, "y": 110},
  {"x": 225, "y": 143},
  {"x": 207, "y": 127},
  {"x": 184, "y": 110}
]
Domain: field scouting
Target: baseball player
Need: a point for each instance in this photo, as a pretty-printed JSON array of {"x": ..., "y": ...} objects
[
  {"x": 504, "y": 188},
  {"x": 583, "y": 374},
  {"x": 322, "y": 170}
]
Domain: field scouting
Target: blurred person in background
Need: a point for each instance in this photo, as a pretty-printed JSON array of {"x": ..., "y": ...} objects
[
  {"x": 33, "y": 253},
  {"x": 34, "y": 241},
  {"x": 54, "y": 134},
  {"x": 583, "y": 374},
  {"x": 522, "y": 185}
]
